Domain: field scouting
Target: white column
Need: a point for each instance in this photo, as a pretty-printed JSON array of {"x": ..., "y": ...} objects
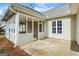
[
  {"x": 32, "y": 26},
  {"x": 38, "y": 29},
  {"x": 26, "y": 24},
  {"x": 16, "y": 28},
  {"x": 42, "y": 26}
]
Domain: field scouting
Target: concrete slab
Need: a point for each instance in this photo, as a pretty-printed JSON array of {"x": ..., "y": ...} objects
[{"x": 49, "y": 47}]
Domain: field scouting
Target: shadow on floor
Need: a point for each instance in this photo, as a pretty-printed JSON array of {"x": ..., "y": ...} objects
[{"x": 74, "y": 46}]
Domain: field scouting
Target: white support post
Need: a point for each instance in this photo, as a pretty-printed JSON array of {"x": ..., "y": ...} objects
[
  {"x": 16, "y": 28},
  {"x": 38, "y": 29},
  {"x": 42, "y": 26},
  {"x": 32, "y": 26},
  {"x": 26, "y": 24}
]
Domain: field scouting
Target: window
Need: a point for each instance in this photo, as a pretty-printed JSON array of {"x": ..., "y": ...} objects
[
  {"x": 22, "y": 27},
  {"x": 59, "y": 26},
  {"x": 29, "y": 30},
  {"x": 40, "y": 27},
  {"x": 54, "y": 27}
]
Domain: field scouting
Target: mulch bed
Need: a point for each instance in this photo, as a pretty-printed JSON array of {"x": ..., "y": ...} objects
[{"x": 10, "y": 50}]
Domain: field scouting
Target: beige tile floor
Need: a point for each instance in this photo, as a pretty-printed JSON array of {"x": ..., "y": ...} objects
[{"x": 49, "y": 47}]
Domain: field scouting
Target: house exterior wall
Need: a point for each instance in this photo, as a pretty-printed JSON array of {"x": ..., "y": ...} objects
[
  {"x": 25, "y": 38},
  {"x": 70, "y": 25},
  {"x": 73, "y": 27},
  {"x": 66, "y": 29},
  {"x": 9, "y": 31},
  {"x": 16, "y": 38},
  {"x": 19, "y": 38},
  {"x": 46, "y": 28},
  {"x": 44, "y": 34},
  {"x": 77, "y": 28},
  {"x": 41, "y": 35}
]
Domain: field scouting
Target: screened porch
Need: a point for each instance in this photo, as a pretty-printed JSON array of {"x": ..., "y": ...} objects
[{"x": 30, "y": 29}]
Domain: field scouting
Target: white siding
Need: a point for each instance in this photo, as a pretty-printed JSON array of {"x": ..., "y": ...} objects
[
  {"x": 25, "y": 38},
  {"x": 10, "y": 25},
  {"x": 46, "y": 28},
  {"x": 41, "y": 35},
  {"x": 73, "y": 28},
  {"x": 66, "y": 29},
  {"x": 77, "y": 29}
]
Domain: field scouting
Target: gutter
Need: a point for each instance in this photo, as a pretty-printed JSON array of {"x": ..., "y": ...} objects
[
  {"x": 8, "y": 9},
  {"x": 12, "y": 10}
]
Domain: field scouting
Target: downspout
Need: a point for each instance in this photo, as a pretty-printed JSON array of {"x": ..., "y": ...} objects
[{"x": 15, "y": 13}]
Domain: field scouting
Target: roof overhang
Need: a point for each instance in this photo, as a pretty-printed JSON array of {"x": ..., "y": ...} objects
[
  {"x": 8, "y": 15},
  {"x": 64, "y": 10},
  {"x": 74, "y": 7},
  {"x": 22, "y": 9}
]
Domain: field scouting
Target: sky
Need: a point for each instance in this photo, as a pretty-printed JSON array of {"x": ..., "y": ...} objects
[{"x": 37, "y": 6}]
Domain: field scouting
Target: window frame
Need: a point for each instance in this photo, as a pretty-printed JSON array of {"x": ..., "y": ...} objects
[
  {"x": 22, "y": 27},
  {"x": 57, "y": 27},
  {"x": 54, "y": 27},
  {"x": 40, "y": 28}
]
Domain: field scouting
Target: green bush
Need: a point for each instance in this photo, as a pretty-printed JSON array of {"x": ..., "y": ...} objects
[
  {"x": 2, "y": 33},
  {"x": 2, "y": 49}
]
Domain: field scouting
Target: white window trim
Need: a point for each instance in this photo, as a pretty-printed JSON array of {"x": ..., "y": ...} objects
[{"x": 57, "y": 27}]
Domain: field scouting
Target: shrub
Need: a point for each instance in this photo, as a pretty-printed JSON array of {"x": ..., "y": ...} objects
[{"x": 2, "y": 49}]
